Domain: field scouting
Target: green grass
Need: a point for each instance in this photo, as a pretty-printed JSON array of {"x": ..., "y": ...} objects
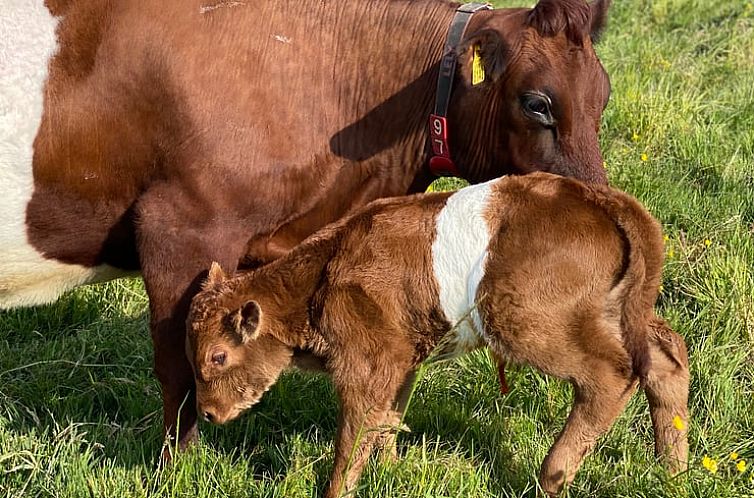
[{"x": 80, "y": 409}]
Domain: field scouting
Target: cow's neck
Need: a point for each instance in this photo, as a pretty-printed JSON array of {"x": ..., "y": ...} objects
[{"x": 402, "y": 50}]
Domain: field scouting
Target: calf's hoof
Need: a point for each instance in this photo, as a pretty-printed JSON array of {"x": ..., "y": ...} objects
[{"x": 552, "y": 483}]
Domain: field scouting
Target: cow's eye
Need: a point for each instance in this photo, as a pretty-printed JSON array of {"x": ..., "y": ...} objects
[
  {"x": 538, "y": 106},
  {"x": 218, "y": 359}
]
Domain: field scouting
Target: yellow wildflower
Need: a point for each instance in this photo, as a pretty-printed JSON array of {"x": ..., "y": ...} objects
[
  {"x": 707, "y": 242},
  {"x": 644, "y": 158},
  {"x": 665, "y": 238},
  {"x": 678, "y": 423},
  {"x": 733, "y": 455},
  {"x": 671, "y": 253},
  {"x": 741, "y": 466},
  {"x": 710, "y": 464},
  {"x": 635, "y": 137},
  {"x": 662, "y": 288}
]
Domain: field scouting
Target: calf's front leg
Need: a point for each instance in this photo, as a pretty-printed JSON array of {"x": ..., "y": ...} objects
[
  {"x": 387, "y": 442},
  {"x": 366, "y": 410}
]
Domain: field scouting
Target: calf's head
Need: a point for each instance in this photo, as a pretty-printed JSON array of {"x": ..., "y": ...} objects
[
  {"x": 234, "y": 357},
  {"x": 539, "y": 105}
]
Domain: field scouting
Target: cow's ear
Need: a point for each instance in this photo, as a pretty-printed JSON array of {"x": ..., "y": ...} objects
[
  {"x": 599, "y": 10},
  {"x": 245, "y": 321},
  {"x": 482, "y": 57},
  {"x": 215, "y": 276}
]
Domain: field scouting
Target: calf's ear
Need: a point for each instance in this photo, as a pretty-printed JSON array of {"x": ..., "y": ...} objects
[
  {"x": 599, "y": 10},
  {"x": 481, "y": 57},
  {"x": 215, "y": 276},
  {"x": 245, "y": 321}
]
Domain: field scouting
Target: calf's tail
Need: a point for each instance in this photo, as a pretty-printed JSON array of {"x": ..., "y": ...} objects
[
  {"x": 658, "y": 354},
  {"x": 643, "y": 260}
]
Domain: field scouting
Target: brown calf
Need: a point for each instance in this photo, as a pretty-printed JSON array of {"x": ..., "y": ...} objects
[{"x": 543, "y": 270}]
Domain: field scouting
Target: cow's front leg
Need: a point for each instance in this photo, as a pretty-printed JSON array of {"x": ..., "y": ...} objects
[
  {"x": 171, "y": 366},
  {"x": 175, "y": 254}
]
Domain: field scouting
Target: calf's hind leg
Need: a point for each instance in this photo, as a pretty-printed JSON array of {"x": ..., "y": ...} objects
[
  {"x": 667, "y": 390},
  {"x": 599, "y": 398}
]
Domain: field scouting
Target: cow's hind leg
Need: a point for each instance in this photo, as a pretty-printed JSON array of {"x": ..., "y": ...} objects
[
  {"x": 601, "y": 392},
  {"x": 667, "y": 389}
]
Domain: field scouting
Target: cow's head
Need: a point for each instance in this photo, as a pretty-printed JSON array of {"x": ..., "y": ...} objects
[
  {"x": 234, "y": 357},
  {"x": 544, "y": 90}
]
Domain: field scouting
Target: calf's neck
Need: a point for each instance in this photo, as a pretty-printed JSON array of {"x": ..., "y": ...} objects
[{"x": 541, "y": 269}]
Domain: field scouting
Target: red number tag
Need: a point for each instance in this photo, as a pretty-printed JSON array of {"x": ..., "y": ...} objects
[{"x": 438, "y": 130}]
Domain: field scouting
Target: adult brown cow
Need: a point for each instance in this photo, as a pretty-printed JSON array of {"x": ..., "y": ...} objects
[{"x": 157, "y": 136}]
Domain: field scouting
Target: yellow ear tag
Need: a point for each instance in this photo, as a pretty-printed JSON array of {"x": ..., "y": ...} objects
[{"x": 477, "y": 68}]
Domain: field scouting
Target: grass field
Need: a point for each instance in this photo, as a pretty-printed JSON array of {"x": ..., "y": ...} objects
[{"x": 80, "y": 410}]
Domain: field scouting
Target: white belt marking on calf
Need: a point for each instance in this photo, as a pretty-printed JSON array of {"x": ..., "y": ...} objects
[
  {"x": 459, "y": 254},
  {"x": 27, "y": 42}
]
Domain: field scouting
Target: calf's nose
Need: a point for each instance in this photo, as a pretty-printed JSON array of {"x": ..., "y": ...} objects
[{"x": 208, "y": 416}]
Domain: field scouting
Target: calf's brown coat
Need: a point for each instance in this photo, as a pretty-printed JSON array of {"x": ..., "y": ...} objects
[{"x": 571, "y": 276}]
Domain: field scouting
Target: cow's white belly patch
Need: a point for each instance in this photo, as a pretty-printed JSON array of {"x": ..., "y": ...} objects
[
  {"x": 459, "y": 254},
  {"x": 27, "y": 42}
]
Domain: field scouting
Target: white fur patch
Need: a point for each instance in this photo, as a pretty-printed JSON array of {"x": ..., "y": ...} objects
[
  {"x": 459, "y": 254},
  {"x": 27, "y": 42}
]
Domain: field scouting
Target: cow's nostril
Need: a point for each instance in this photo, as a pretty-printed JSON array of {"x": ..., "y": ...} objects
[{"x": 208, "y": 416}]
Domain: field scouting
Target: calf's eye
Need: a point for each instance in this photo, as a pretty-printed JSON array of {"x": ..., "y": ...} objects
[{"x": 219, "y": 358}]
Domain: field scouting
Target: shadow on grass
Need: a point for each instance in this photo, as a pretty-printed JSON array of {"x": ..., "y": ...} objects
[
  {"x": 304, "y": 406},
  {"x": 83, "y": 362}
]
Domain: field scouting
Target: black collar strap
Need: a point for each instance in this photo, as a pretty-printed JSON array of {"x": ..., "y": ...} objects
[{"x": 440, "y": 164}]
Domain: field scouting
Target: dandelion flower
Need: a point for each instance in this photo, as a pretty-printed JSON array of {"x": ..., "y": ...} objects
[
  {"x": 644, "y": 158},
  {"x": 665, "y": 238},
  {"x": 733, "y": 455},
  {"x": 741, "y": 466},
  {"x": 678, "y": 423},
  {"x": 710, "y": 464},
  {"x": 707, "y": 242},
  {"x": 635, "y": 137}
]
